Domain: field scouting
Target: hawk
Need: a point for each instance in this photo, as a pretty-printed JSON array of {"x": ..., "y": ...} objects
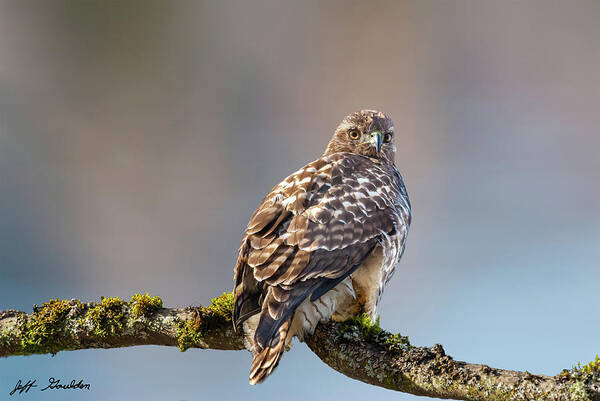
[{"x": 323, "y": 242}]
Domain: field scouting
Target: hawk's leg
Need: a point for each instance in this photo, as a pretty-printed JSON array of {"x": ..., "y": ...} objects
[
  {"x": 352, "y": 308},
  {"x": 367, "y": 282}
]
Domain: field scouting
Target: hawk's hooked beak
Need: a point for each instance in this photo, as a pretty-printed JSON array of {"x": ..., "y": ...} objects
[{"x": 376, "y": 140}]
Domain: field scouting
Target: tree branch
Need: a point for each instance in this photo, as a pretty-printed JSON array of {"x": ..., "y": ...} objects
[{"x": 357, "y": 348}]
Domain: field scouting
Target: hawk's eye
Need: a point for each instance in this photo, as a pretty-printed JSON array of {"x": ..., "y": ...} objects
[
  {"x": 354, "y": 135},
  {"x": 387, "y": 138}
]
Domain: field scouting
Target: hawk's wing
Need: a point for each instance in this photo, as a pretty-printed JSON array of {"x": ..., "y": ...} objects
[{"x": 310, "y": 232}]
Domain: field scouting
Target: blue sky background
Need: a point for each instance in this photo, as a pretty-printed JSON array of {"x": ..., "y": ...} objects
[{"x": 137, "y": 138}]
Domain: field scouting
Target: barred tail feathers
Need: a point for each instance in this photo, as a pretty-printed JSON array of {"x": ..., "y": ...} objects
[{"x": 267, "y": 359}]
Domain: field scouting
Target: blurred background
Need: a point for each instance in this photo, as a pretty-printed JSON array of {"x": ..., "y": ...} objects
[{"x": 136, "y": 138}]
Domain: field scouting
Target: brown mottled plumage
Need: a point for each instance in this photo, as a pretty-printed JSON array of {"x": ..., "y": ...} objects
[{"x": 323, "y": 243}]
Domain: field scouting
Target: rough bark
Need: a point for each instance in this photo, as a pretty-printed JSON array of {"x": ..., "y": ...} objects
[{"x": 359, "y": 349}]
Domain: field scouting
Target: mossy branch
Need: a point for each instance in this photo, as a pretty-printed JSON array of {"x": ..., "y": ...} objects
[{"x": 358, "y": 348}]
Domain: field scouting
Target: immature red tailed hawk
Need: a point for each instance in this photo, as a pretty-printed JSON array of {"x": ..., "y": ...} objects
[{"x": 323, "y": 243}]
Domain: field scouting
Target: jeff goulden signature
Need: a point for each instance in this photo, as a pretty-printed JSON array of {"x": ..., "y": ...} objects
[{"x": 53, "y": 384}]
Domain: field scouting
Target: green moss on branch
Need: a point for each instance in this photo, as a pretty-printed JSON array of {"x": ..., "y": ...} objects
[
  {"x": 191, "y": 333},
  {"x": 60, "y": 325},
  {"x": 107, "y": 318},
  {"x": 144, "y": 305},
  {"x": 364, "y": 328},
  {"x": 47, "y": 329}
]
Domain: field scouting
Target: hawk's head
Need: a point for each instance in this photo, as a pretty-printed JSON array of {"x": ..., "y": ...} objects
[{"x": 367, "y": 132}]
